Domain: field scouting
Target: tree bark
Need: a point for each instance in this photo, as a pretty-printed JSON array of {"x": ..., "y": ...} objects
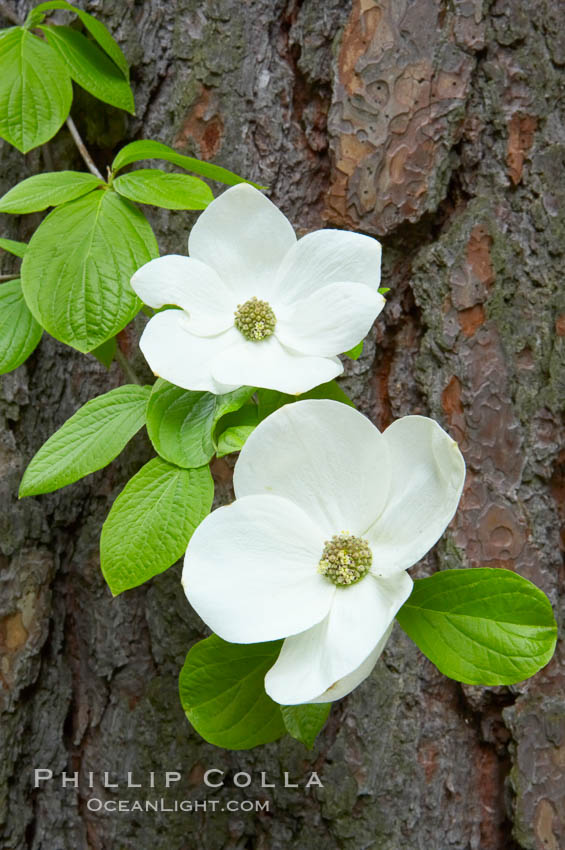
[{"x": 435, "y": 127}]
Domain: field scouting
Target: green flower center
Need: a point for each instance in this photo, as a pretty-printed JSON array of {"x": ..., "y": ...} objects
[
  {"x": 255, "y": 319},
  {"x": 345, "y": 560}
]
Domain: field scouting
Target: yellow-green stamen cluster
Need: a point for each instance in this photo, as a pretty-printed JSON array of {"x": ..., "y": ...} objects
[
  {"x": 345, "y": 560},
  {"x": 255, "y": 319}
]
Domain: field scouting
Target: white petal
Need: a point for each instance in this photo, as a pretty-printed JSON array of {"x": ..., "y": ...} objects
[
  {"x": 312, "y": 662},
  {"x": 178, "y": 356},
  {"x": 244, "y": 237},
  {"x": 428, "y": 476},
  {"x": 331, "y": 320},
  {"x": 348, "y": 683},
  {"x": 191, "y": 285},
  {"x": 250, "y": 571},
  {"x": 322, "y": 455},
  {"x": 269, "y": 364},
  {"x": 327, "y": 256}
]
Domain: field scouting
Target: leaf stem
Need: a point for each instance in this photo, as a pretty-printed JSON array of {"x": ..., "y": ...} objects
[
  {"x": 82, "y": 148},
  {"x": 126, "y": 366}
]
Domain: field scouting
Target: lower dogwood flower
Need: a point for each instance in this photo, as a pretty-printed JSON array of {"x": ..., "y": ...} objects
[
  {"x": 329, "y": 515},
  {"x": 258, "y": 307}
]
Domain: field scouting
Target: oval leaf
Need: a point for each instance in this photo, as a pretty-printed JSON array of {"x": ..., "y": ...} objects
[
  {"x": 35, "y": 90},
  {"x": 171, "y": 191},
  {"x": 12, "y": 246},
  {"x": 76, "y": 271},
  {"x": 88, "y": 441},
  {"x": 222, "y": 691},
  {"x": 96, "y": 28},
  {"x": 47, "y": 190},
  {"x": 90, "y": 67},
  {"x": 151, "y": 522},
  {"x": 180, "y": 423},
  {"x": 235, "y": 428},
  {"x": 19, "y": 332},
  {"x": 148, "y": 149},
  {"x": 481, "y": 626},
  {"x": 304, "y": 722}
]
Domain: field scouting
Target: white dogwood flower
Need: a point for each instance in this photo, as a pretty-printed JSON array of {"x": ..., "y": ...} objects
[
  {"x": 329, "y": 515},
  {"x": 258, "y": 307}
]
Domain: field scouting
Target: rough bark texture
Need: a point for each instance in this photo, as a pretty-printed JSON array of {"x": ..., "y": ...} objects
[{"x": 435, "y": 126}]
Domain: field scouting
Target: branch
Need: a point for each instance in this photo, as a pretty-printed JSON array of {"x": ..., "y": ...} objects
[
  {"x": 82, "y": 149},
  {"x": 6, "y": 277}
]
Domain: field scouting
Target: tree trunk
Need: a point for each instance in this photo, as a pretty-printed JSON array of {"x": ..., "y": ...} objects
[{"x": 433, "y": 126}]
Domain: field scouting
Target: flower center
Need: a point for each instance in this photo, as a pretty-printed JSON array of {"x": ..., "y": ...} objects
[
  {"x": 255, "y": 319},
  {"x": 345, "y": 560}
]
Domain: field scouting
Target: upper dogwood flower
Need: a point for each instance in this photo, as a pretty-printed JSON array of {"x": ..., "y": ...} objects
[
  {"x": 258, "y": 307},
  {"x": 329, "y": 515}
]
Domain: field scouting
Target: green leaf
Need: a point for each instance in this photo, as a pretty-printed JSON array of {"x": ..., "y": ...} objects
[
  {"x": 171, "y": 191},
  {"x": 96, "y": 28},
  {"x": 147, "y": 149},
  {"x": 151, "y": 522},
  {"x": 222, "y": 691},
  {"x": 481, "y": 626},
  {"x": 19, "y": 332},
  {"x": 235, "y": 428},
  {"x": 88, "y": 441},
  {"x": 181, "y": 423},
  {"x": 304, "y": 722},
  {"x": 233, "y": 439},
  {"x": 355, "y": 352},
  {"x": 47, "y": 190},
  {"x": 77, "y": 269},
  {"x": 271, "y": 400},
  {"x": 105, "y": 352},
  {"x": 35, "y": 90},
  {"x": 90, "y": 67},
  {"x": 13, "y": 247}
]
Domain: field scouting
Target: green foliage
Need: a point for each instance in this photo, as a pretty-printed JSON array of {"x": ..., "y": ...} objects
[
  {"x": 88, "y": 441},
  {"x": 35, "y": 89},
  {"x": 19, "y": 332},
  {"x": 13, "y": 247},
  {"x": 481, "y": 626},
  {"x": 105, "y": 352},
  {"x": 76, "y": 271},
  {"x": 181, "y": 422},
  {"x": 95, "y": 27},
  {"x": 146, "y": 149},
  {"x": 90, "y": 67},
  {"x": 222, "y": 692},
  {"x": 171, "y": 191},
  {"x": 235, "y": 428},
  {"x": 151, "y": 522},
  {"x": 304, "y": 722},
  {"x": 47, "y": 190},
  {"x": 355, "y": 352},
  {"x": 271, "y": 400}
]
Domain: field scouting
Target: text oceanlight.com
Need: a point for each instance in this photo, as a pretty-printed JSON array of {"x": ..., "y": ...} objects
[{"x": 95, "y": 804}]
